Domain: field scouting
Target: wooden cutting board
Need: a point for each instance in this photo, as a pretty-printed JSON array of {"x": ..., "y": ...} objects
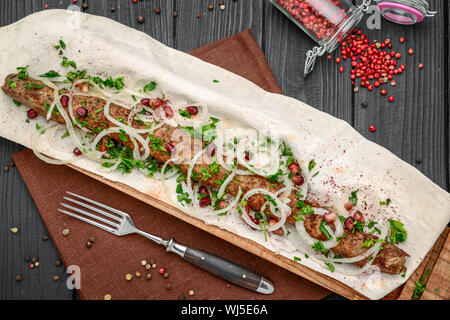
[{"x": 437, "y": 260}]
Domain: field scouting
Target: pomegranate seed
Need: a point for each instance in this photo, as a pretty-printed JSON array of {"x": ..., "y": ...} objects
[
  {"x": 170, "y": 148},
  {"x": 372, "y": 129},
  {"x": 203, "y": 190},
  {"x": 168, "y": 111},
  {"x": 329, "y": 57},
  {"x": 146, "y": 102},
  {"x": 370, "y": 88},
  {"x": 135, "y": 1},
  {"x": 161, "y": 270},
  {"x": 211, "y": 149},
  {"x": 338, "y": 60},
  {"x": 349, "y": 205},
  {"x": 192, "y": 110},
  {"x": 298, "y": 180},
  {"x": 391, "y": 98},
  {"x": 82, "y": 112},
  {"x": 358, "y": 216},
  {"x": 330, "y": 217},
  {"x": 383, "y": 92},
  {"x": 247, "y": 156},
  {"x": 393, "y": 83},
  {"x": 64, "y": 101},
  {"x": 420, "y": 65},
  {"x": 204, "y": 202},
  {"x": 377, "y": 84},
  {"x": 31, "y": 114},
  {"x": 294, "y": 168},
  {"x": 410, "y": 51},
  {"x": 77, "y": 152},
  {"x": 349, "y": 223},
  {"x": 402, "y": 39},
  {"x": 156, "y": 103},
  {"x": 341, "y": 69},
  {"x": 398, "y": 56},
  {"x": 254, "y": 219}
]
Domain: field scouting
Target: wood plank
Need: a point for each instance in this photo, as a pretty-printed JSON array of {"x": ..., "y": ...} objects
[
  {"x": 191, "y": 32},
  {"x": 438, "y": 284},
  {"x": 425, "y": 267},
  {"x": 18, "y": 210},
  {"x": 285, "y": 46},
  {"x": 415, "y": 124},
  {"x": 158, "y": 26}
]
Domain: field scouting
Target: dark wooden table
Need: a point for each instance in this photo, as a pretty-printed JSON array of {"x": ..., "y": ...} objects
[{"x": 415, "y": 126}]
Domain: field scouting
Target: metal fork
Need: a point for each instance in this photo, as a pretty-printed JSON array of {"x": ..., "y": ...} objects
[{"x": 121, "y": 225}]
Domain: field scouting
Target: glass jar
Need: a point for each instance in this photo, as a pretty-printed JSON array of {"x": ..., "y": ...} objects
[
  {"x": 327, "y": 22},
  {"x": 405, "y": 11}
]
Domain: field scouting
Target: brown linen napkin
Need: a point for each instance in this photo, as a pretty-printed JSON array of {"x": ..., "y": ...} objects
[{"x": 105, "y": 265}]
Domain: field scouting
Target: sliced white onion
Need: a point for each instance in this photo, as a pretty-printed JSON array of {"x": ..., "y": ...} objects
[
  {"x": 191, "y": 167},
  {"x": 225, "y": 184},
  {"x": 231, "y": 205}
]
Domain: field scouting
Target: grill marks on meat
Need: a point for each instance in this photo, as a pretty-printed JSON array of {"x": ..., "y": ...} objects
[{"x": 390, "y": 259}]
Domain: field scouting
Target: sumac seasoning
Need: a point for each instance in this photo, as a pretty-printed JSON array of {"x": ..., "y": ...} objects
[{"x": 325, "y": 21}]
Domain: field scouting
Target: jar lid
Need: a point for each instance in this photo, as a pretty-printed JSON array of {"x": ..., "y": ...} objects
[{"x": 400, "y": 13}]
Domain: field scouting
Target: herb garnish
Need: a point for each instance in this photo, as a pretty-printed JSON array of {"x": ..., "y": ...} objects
[
  {"x": 311, "y": 165},
  {"x": 354, "y": 198},
  {"x": 398, "y": 232},
  {"x": 50, "y": 74},
  {"x": 150, "y": 86}
]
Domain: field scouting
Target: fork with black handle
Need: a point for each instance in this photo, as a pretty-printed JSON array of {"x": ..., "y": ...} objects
[{"x": 120, "y": 224}]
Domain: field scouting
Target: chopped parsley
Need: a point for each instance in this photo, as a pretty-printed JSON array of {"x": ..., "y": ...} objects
[
  {"x": 354, "y": 198},
  {"x": 50, "y": 74},
  {"x": 12, "y": 84},
  {"x": 18, "y": 104},
  {"x": 318, "y": 246},
  {"x": 22, "y": 73},
  {"x": 311, "y": 165},
  {"x": 205, "y": 174},
  {"x": 324, "y": 230},
  {"x": 150, "y": 86},
  {"x": 315, "y": 174},
  {"x": 385, "y": 203},
  {"x": 214, "y": 167},
  {"x": 398, "y": 232},
  {"x": 420, "y": 287},
  {"x": 286, "y": 151},
  {"x": 274, "y": 178},
  {"x": 215, "y": 81},
  {"x": 297, "y": 258},
  {"x": 330, "y": 266},
  {"x": 185, "y": 113}
]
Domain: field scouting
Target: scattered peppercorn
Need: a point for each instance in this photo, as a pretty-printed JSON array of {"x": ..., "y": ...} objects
[
  {"x": 91, "y": 239},
  {"x": 364, "y": 104},
  {"x": 44, "y": 237},
  {"x": 191, "y": 292},
  {"x": 418, "y": 160},
  {"x": 148, "y": 266},
  {"x": 65, "y": 232},
  {"x": 129, "y": 276},
  {"x": 36, "y": 264},
  {"x": 112, "y": 9},
  {"x": 107, "y": 297},
  {"x": 12, "y": 164},
  {"x": 222, "y": 7},
  {"x": 181, "y": 297},
  {"x": 148, "y": 276},
  {"x": 152, "y": 261},
  {"x": 157, "y": 10},
  {"x": 355, "y": 89},
  {"x": 84, "y": 5},
  {"x": 154, "y": 265},
  {"x": 175, "y": 14},
  {"x": 34, "y": 260},
  {"x": 58, "y": 263},
  {"x": 26, "y": 258},
  {"x": 138, "y": 274},
  {"x": 199, "y": 15},
  {"x": 166, "y": 275},
  {"x": 6, "y": 168},
  {"x": 141, "y": 19},
  {"x": 89, "y": 244},
  {"x": 14, "y": 230},
  {"x": 169, "y": 286},
  {"x": 143, "y": 262},
  {"x": 18, "y": 278},
  {"x": 210, "y": 7},
  {"x": 55, "y": 277}
]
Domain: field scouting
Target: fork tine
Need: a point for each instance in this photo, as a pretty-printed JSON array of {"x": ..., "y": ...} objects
[
  {"x": 119, "y": 219},
  {"x": 90, "y": 215},
  {"x": 99, "y": 225},
  {"x": 120, "y": 213}
]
